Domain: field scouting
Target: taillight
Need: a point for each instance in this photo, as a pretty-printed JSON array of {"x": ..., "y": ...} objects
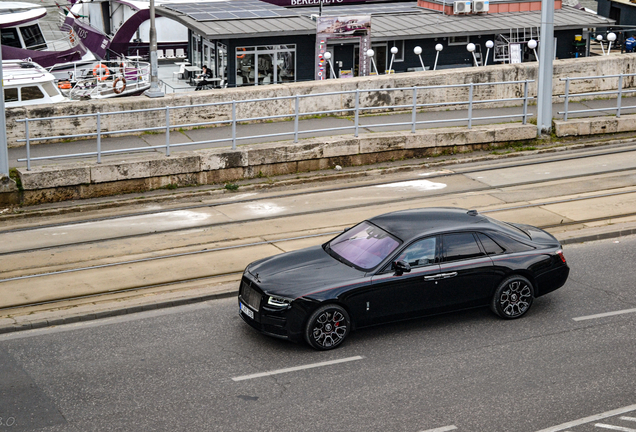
[{"x": 560, "y": 254}]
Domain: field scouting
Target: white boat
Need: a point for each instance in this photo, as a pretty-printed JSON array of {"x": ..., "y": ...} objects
[
  {"x": 22, "y": 37},
  {"x": 27, "y": 83},
  {"x": 102, "y": 80}
]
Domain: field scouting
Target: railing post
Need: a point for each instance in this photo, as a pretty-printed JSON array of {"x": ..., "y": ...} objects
[
  {"x": 167, "y": 131},
  {"x": 414, "y": 113},
  {"x": 470, "y": 106},
  {"x": 233, "y": 125},
  {"x": 567, "y": 98},
  {"x": 28, "y": 143},
  {"x": 99, "y": 137},
  {"x": 296, "y": 110},
  {"x": 525, "y": 102},
  {"x": 357, "y": 113},
  {"x": 620, "y": 96}
]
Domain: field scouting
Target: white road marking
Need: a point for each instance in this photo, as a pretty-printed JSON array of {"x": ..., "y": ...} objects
[
  {"x": 628, "y": 418},
  {"x": 589, "y": 419},
  {"x": 612, "y": 427},
  {"x": 295, "y": 368},
  {"x": 442, "y": 429},
  {"x": 603, "y": 315},
  {"x": 422, "y": 185}
]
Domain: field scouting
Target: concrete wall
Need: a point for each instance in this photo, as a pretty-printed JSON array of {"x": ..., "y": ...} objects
[
  {"x": 214, "y": 166},
  {"x": 588, "y": 66}
]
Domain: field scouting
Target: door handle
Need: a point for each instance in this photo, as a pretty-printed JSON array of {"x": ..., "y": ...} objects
[
  {"x": 433, "y": 277},
  {"x": 448, "y": 275}
]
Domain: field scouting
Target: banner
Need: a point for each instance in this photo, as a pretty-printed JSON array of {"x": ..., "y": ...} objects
[{"x": 344, "y": 27}]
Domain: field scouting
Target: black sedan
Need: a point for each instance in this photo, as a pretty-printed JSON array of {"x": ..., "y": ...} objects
[{"x": 398, "y": 266}]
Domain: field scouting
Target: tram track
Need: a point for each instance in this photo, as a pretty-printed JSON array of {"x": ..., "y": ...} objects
[{"x": 221, "y": 254}]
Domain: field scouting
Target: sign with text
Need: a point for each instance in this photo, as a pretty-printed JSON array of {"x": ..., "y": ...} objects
[{"x": 342, "y": 27}]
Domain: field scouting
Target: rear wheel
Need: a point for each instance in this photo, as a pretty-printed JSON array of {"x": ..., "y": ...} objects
[
  {"x": 327, "y": 327},
  {"x": 513, "y": 297}
]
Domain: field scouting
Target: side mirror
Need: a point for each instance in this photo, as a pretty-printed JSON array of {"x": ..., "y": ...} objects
[{"x": 401, "y": 267}]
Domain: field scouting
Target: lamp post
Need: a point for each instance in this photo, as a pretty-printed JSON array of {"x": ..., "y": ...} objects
[
  {"x": 611, "y": 38},
  {"x": 471, "y": 49},
  {"x": 394, "y": 51},
  {"x": 532, "y": 44},
  {"x": 599, "y": 38},
  {"x": 154, "y": 90},
  {"x": 439, "y": 49},
  {"x": 489, "y": 44},
  {"x": 327, "y": 56},
  {"x": 370, "y": 54},
  {"x": 418, "y": 52}
]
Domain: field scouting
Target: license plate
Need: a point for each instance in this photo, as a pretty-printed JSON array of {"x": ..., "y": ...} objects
[{"x": 247, "y": 311}]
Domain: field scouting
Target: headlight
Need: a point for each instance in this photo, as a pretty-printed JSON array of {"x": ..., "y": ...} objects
[{"x": 278, "y": 301}]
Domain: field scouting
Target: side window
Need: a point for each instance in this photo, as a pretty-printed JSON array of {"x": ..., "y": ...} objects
[
  {"x": 460, "y": 246},
  {"x": 420, "y": 253},
  {"x": 31, "y": 93},
  {"x": 10, "y": 94},
  {"x": 489, "y": 245}
]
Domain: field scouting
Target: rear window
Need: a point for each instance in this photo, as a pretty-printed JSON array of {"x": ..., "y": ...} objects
[{"x": 489, "y": 245}]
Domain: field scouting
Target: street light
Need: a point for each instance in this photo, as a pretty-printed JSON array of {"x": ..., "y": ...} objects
[
  {"x": 599, "y": 38},
  {"x": 370, "y": 54},
  {"x": 611, "y": 38},
  {"x": 394, "y": 51},
  {"x": 154, "y": 90},
  {"x": 489, "y": 44},
  {"x": 439, "y": 49},
  {"x": 532, "y": 44},
  {"x": 471, "y": 49},
  {"x": 418, "y": 51},
  {"x": 328, "y": 58}
]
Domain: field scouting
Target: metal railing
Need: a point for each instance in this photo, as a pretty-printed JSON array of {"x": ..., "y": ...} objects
[
  {"x": 619, "y": 92},
  {"x": 357, "y": 110}
]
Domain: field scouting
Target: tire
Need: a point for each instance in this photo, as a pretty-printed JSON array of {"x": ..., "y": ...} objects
[
  {"x": 327, "y": 327},
  {"x": 513, "y": 297}
]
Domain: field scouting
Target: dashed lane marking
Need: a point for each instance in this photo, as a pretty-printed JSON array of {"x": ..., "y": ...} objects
[
  {"x": 442, "y": 429},
  {"x": 606, "y": 314},
  {"x": 296, "y": 368},
  {"x": 612, "y": 427},
  {"x": 589, "y": 419}
]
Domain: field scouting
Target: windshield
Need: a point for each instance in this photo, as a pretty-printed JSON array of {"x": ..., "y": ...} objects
[{"x": 365, "y": 245}]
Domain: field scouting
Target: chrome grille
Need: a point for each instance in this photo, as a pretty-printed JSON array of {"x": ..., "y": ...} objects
[{"x": 250, "y": 296}]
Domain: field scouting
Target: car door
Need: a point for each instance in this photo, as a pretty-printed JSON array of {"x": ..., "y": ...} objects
[
  {"x": 467, "y": 273},
  {"x": 393, "y": 296}
]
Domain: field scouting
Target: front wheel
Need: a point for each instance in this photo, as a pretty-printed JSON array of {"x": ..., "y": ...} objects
[
  {"x": 513, "y": 297},
  {"x": 327, "y": 327}
]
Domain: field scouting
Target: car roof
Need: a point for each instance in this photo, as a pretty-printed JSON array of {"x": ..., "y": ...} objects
[{"x": 410, "y": 224}]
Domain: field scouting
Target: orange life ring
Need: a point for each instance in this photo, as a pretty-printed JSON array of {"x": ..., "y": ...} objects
[
  {"x": 242, "y": 55},
  {"x": 64, "y": 85},
  {"x": 116, "y": 89},
  {"x": 102, "y": 75}
]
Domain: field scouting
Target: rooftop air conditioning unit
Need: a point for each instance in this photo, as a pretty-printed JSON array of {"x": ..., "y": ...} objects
[
  {"x": 480, "y": 6},
  {"x": 460, "y": 7}
]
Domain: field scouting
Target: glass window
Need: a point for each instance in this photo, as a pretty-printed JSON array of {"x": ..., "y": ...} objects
[
  {"x": 32, "y": 36},
  {"x": 31, "y": 93},
  {"x": 458, "y": 40},
  {"x": 460, "y": 246},
  {"x": 365, "y": 246},
  {"x": 286, "y": 66},
  {"x": 10, "y": 38},
  {"x": 489, "y": 245},
  {"x": 50, "y": 89},
  {"x": 245, "y": 68},
  {"x": 420, "y": 253},
  {"x": 399, "y": 57},
  {"x": 265, "y": 64},
  {"x": 10, "y": 94}
]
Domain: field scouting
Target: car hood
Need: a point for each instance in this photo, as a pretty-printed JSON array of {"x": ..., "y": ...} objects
[{"x": 299, "y": 273}]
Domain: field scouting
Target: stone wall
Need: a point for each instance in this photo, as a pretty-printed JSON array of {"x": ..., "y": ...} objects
[{"x": 191, "y": 113}]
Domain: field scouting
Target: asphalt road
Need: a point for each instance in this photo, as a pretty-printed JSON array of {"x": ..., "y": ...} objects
[{"x": 189, "y": 368}]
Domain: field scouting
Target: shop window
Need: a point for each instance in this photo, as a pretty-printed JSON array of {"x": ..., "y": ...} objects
[{"x": 265, "y": 64}]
